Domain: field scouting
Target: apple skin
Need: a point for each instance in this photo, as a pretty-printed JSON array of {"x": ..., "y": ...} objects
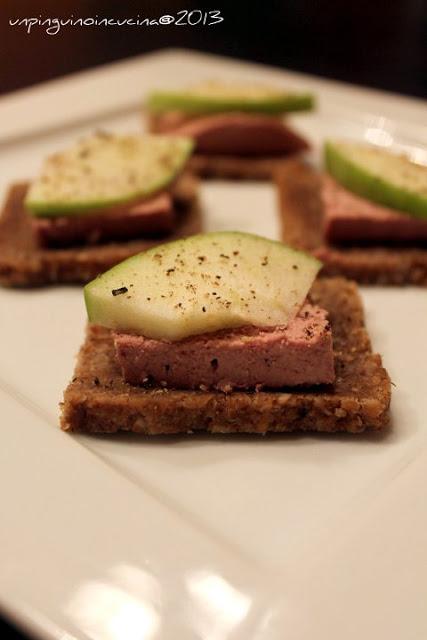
[
  {"x": 343, "y": 163},
  {"x": 188, "y": 102}
]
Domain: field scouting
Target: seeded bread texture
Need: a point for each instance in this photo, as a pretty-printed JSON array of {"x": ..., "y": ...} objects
[
  {"x": 24, "y": 263},
  {"x": 301, "y": 217},
  {"x": 99, "y": 401}
]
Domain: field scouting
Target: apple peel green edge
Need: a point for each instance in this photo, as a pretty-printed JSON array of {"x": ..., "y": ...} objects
[
  {"x": 362, "y": 182},
  {"x": 161, "y": 101}
]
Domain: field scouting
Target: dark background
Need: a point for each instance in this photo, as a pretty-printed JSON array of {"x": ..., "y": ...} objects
[{"x": 377, "y": 43}]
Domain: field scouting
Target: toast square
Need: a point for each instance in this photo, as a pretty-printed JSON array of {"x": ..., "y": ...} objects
[
  {"x": 301, "y": 217},
  {"x": 24, "y": 263},
  {"x": 99, "y": 401}
]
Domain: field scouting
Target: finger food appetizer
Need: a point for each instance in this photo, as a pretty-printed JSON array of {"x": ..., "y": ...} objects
[
  {"x": 239, "y": 129},
  {"x": 364, "y": 218},
  {"x": 94, "y": 204},
  {"x": 224, "y": 332}
]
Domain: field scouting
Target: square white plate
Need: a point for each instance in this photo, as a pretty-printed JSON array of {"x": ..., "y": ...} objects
[{"x": 217, "y": 538}]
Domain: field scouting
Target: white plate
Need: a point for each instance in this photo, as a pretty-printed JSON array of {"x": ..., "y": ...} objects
[{"x": 240, "y": 538}]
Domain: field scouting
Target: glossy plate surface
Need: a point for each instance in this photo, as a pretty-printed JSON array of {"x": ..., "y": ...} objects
[{"x": 206, "y": 537}]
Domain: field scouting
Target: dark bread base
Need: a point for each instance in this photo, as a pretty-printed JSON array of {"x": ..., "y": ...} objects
[
  {"x": 237, "y": 167},
  {"x": 301, "y": 214},
  {"x": 24, "y": 263},
  {"x": 99, "y": 401}
]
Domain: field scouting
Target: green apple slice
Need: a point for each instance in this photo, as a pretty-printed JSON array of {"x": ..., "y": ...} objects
[
  {"x": 380, "y": 176},
  {"x": 215, "y": 97},
  {"x": 201, "y": 284},
  {"x": 106, "y": 170}
]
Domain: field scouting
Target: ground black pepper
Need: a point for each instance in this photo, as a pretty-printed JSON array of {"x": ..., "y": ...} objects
[{"x": 118, "y": 292}]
